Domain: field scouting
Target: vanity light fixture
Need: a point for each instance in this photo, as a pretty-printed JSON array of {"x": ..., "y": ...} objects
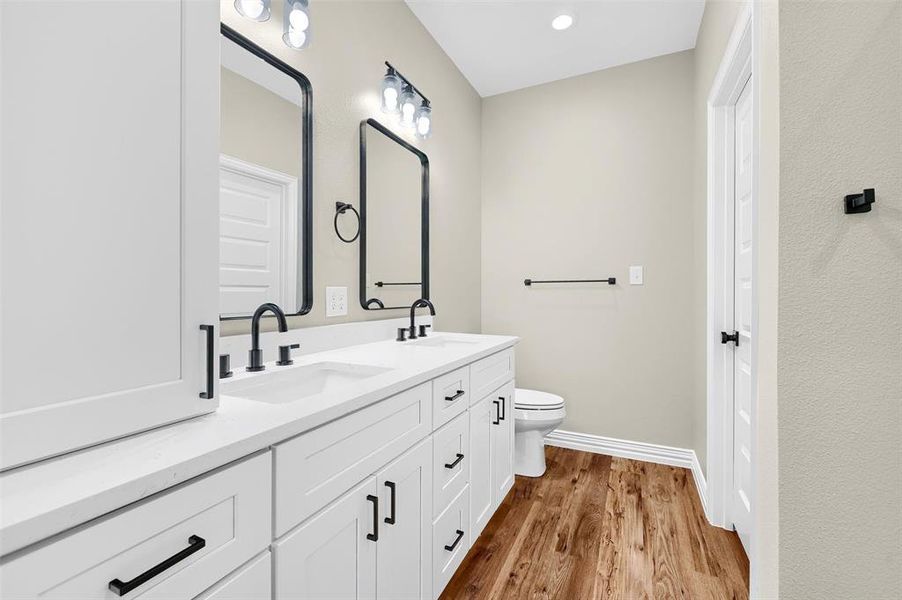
[
  {"x": 296, "y": 24},
  {"x": 562, "y": 22},
  {"x": 255, "y": 10},
  {"x": 402, "y": 98}
]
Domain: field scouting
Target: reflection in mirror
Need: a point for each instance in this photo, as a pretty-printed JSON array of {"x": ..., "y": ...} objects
[
  {"x": 264, "y": 233},
  {"x": 394, "y": 207}
]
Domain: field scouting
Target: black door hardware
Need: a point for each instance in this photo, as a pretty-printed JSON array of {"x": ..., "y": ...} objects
[
  {"x": 460, "y": 535},
  {"x": 497, "y": 413},
  {"x": 120, "y": 588},
  {"x": 456, "y": 462},
  {"x": 503, "y": 414},
  {"x": 285, "y": 355},
  {"x": 391, "y": 486},
  {"x": 457, "y": 395},
  {"x": 374, "y": 537},
  {"x": 340, "y": 209},
  {"x": 607, "y": 280},
  {"x": 225, "y": 366},
  {"x": 210, "y": 373},
  {"x": 729, "y": 337},
  {"x": 859, "y": 203}
]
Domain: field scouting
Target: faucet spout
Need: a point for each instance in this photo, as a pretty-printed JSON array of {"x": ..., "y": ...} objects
[
  {"x": 413, "y": 307},
  {"x": 255, "y": 356}
]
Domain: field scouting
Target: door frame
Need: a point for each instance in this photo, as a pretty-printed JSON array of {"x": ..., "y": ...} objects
[{"x": 735, "y": 69}]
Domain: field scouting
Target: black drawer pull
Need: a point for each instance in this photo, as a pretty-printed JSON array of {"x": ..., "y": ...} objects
[
  {"x": 497, "y": 413},
  {"x": 120, "y": 588},
  {"x": 460, "y": 536},
  {"x": 374, "y": 537},
  {"x": 456, "y": 462},
  {"x": 211, "y": 335},
  {"x": 455, "y": 396},
  {"x": 391, "y": 486},
  {"x": 503, "y": 408}
]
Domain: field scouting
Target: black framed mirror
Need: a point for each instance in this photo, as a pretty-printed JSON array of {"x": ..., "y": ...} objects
[
  {"x": 394, "y": 220},
  {"x": 266, "y": 182}
]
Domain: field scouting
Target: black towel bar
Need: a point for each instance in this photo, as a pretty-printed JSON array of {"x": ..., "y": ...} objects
[{"x": 608, "y": 280}]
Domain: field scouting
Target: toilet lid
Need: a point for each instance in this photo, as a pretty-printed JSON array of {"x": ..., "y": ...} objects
[{"x": 536, "y": 400}]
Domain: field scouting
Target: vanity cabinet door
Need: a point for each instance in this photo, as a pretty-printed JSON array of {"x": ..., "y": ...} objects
[
  {"x": 482, "y": 417},
  {"x": 502, "y": 442},
  {"x": 110, "y": 219},
  {"x": 404, "y": 560},
  {"x": 333, "y": 554}
]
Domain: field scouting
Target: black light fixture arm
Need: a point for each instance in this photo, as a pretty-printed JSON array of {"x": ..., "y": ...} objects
[{"x": 392, "y": 69}]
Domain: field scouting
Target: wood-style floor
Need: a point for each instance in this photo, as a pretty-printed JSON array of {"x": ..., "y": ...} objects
[{"x": 600, "y": 527}]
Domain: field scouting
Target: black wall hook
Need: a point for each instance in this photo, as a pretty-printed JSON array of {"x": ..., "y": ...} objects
[{"x": 859, "y": 203}]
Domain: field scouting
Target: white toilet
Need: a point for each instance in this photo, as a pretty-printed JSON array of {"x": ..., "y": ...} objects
[{"x": 536, "y": 414}]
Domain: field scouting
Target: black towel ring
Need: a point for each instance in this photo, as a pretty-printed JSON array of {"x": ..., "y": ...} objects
[{"x": 340, "y": 209}]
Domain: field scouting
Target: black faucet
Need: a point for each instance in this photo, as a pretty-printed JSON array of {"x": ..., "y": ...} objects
[
  {"x": 412, "y": 332},
  {"x": 255, "y": 356}
]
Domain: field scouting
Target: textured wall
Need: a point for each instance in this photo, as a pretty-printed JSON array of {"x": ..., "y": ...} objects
[
  {"x": 713, "y": 34},
  {"x": 585, "y": 177},
  {"x": 840, "y": 300},
  {"x": 350, "y": 41}
]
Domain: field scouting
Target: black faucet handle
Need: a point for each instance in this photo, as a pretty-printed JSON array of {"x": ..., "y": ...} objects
[
  {"x": 402, "y": 334},
  {"x": 285, "y": 354},
  {"x": 423, "y": 330},
  {"x": 225, "y": 368}
]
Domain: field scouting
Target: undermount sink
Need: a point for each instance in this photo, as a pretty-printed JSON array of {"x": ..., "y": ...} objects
[
  {"x": 441, "y": 342},
  {"x": 291, "y": 385}
]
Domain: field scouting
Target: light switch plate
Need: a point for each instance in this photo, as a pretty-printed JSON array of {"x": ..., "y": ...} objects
[
  {"x": 336, "y": 301},
  {"x": 636, "y": 275}
]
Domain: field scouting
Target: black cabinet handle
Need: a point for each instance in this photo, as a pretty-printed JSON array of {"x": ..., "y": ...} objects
[
  {"x": 460, "y": 536},
  {"x": 391, "y": 486},
  {"x": 497, "y": 413},
  {"x": 456, "y": 462},
  {"x": 195, "y": 543},
  {"x": 503, "y": 408},
  {"x": 455, "y": 396},
  {"x": 210, "y": 338},
  {"x": 374, "y": 537}
]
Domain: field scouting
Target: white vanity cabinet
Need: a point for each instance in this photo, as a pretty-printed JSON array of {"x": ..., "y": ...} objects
[{"x": 110, "y": 219}]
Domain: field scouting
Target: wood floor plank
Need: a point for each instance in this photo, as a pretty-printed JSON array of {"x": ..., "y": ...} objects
[{"x": 600, "y": 527}]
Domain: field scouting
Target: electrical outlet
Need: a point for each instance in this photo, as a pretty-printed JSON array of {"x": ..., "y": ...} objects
[
  {"x": 636, "y": 275},
  {"x": 336, "y": 301}
]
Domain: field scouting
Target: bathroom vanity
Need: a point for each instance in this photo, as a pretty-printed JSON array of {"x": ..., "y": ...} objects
[{"x": 365, "y": 471}]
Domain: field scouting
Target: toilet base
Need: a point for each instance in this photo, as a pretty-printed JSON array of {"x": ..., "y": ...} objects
[{"x": 529, "y": 453}]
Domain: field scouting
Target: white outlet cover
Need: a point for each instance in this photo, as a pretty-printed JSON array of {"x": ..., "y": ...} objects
[
  {"x": 336, "y": 301},
  {"x": 636, "y": 275}
]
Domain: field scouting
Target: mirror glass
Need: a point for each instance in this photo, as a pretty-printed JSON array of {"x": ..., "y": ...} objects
[
  {"x": 394, "y": 202},
  {"x": 264, "y": 242}
]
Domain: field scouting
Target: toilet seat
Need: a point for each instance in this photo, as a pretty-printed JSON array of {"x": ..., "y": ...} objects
[{"x": 527, "y": 400}]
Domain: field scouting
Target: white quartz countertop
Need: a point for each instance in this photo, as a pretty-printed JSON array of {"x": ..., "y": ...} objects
[{"x": 49, "y": 497}]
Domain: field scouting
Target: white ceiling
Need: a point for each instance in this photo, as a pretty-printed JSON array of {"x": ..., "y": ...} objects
[{"x": 501, "y": 46}]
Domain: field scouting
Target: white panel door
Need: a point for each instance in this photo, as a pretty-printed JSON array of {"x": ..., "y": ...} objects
[
  {"x": 404, "y": 549},
  {"x": 502, "y": 442},
  {"x": 482, "y": 417},
  {"x": 257, "y": 238},
  {"x": 110, "y": 119},
  {"x": 331, "y": 555},
  {"x": 742, "y": 318}
]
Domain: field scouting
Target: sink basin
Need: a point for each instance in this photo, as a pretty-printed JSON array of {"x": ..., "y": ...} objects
[
  {"x": 291, "y": 385},
  {"x": 441, "y": 342}
]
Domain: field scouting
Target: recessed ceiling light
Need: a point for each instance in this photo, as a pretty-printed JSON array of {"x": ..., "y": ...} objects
[{"x": 562, "y": 22}]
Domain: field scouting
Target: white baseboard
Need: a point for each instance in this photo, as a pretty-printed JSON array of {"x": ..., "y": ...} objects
[{"x": 653, "y": 453}]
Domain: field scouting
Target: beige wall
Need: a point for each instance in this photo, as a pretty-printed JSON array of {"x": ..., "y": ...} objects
[
  {"x": 714, "y": 32},
  {"x": 840, "y": 300},
  {"x": 583, "y": 178},
  {"x": 350, "y": 41}
]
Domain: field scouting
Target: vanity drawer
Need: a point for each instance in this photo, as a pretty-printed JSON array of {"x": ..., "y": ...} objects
[
  {"x": 490, "y": 373},
  {"x": 318, "y": 466},
  {"x": 203, "y": 530},
  {"x": 450, "y": 464},
  {"x": 252, "y": 581},
  {"x": 450, "y": 396},
  {"x": 450, "y": 531}
]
